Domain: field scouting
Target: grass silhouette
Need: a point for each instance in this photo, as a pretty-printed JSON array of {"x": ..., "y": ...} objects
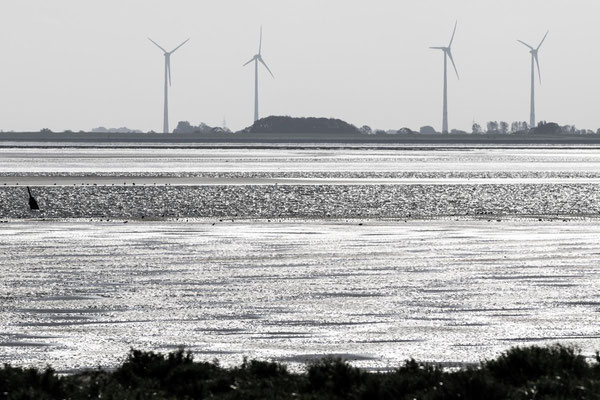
[{"x": 554, "y": 372}]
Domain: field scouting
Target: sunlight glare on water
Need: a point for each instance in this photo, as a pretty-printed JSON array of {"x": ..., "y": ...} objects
[
  {"x": 78, "y": 294},
  {"x": 375, "y": 255}
]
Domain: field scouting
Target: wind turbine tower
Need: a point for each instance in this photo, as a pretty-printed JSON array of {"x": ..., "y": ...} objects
[
  {"x": 534, "y": 61},
  {"x": 447, "y": 54},
  {"x": 258, "y": 59},
  {"x": 167, "y": 81}
]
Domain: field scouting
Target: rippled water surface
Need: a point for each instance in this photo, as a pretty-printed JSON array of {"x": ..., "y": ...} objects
[
  {"x": 447, "y": 255},
  {"x": 78, "y": 294}
]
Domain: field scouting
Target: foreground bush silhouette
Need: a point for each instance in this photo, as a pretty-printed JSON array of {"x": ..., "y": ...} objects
[{"x": 555, "y": 372}]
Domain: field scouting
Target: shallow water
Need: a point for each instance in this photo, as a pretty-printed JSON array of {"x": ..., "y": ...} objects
[
  {"x": 303, "y": 162},
  {"x": 78, "y": 294}
]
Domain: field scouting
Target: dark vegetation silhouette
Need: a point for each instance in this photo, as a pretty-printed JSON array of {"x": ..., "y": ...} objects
[
  {"x": 33, "y": 204},
  {"x": 186, "y": 127},
  {"x": 554, "y": 372},
  {"x": 522, "y": 128},
  {"x": 427, "y": 130},
  {"x": 290, "y": 125},
  {"x": 311, "y": 128},
  {"x": 366, "y": 130}
]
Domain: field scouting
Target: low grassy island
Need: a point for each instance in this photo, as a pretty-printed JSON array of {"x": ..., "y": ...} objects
[{"x": 555, "y": 372}]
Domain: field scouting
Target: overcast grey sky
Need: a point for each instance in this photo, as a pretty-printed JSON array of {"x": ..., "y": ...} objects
[{"x": 78, "y": 64}]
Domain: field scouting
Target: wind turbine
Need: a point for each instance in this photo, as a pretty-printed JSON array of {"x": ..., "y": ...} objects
[
  {"x": 167, "y": 81},
  {"x": 534, "y": 59},
  {"x": 257, "y": 59},
  {"x": 447, "y": 54}
]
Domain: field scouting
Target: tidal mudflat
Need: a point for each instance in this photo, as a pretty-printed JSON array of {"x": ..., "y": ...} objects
[
  {"x": 445, "y": 255},
  {"x": 356, "y": 201}
]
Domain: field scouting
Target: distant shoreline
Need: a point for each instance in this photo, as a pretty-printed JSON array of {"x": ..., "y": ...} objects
[{"x": 267, "y": 140}]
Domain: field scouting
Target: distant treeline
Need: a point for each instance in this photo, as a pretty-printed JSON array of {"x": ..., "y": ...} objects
[
  {"x": 543, "y": 128},
  {"x": 186, "y": 127},
  {"x": 278, "y": 124},
  {"x": 539, "y": 373},
  {"x": 291, "y": 125},
  {"x": 287, "y": 125},
  {"x": 494, "y": 128}
]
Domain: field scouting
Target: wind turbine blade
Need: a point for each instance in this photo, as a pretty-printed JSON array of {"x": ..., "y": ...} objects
[
  {"x": 453, "y": 32},
  {"x": 174, "y": 50},
  {"x": 252, "y": 59},
  {"x": 454, "y": 65},
  {"x": 263, "y": 63},
  {"x": 260, "y": 41},
  {"x": 538, "y": 67},
  {"x": 543, "y": 40},
  {"x": 438, "y": 48},
  {"x": 157, "y": 45},
  {"x": 520, "y": 41}
]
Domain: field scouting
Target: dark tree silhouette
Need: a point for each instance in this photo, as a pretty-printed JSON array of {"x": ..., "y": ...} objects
[
  {"x": 492, "y": 127},
  {"x": 366, "y": 130},
  {"x": 547, "y": 128},
  {"x": 427, "y": 130},
  {"x": 186, "y": 127}
]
